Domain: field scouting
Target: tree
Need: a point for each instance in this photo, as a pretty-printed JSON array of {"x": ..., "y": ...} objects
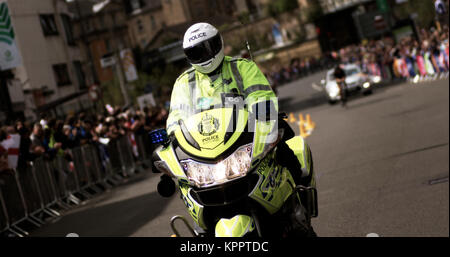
[
  {"x": 424, "y": 9},
  {"x": 162, "y": 80},
  {"x": 313, "y": 11},
  {"x": 278, "y": 7}
]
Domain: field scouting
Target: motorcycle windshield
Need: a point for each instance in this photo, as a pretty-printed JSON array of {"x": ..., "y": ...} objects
[{"x": 209, "y": 133}]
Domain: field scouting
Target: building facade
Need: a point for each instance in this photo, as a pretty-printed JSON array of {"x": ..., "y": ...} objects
[
  {"x": 99, "y": 30},
  {"x": 330, "y": 6},
  {"x": 51, "y": 73},
  {"x": 145, "y": 20},
  {"x": 149, "y": 18}
]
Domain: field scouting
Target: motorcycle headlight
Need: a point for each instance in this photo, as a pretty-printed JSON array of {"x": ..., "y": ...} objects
[
  {"x": 235, "y": 166},
  {"x": 334, "y": 91}
]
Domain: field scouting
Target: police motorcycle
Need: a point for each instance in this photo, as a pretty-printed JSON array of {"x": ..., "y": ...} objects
[{"x": 224, "y": 161}]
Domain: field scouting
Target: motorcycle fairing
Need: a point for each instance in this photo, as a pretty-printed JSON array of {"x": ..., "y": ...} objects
[
  {"x": 207, "y": 134},
  {"x": 275, "y": 182},
  {"x": 237, "y": 226},
  {"x": 168, "y": 156},
  {"x": 195, "y": 209},
  {"x": 266, "y": 133},
  {"x": 301, "y": 150},
  {"x": 274, "y": 186}
]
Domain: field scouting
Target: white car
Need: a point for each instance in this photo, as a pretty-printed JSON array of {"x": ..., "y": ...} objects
[{"x": 355, "y": 80}]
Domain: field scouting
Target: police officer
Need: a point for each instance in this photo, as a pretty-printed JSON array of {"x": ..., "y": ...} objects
[{"x": 214, "y": 75}]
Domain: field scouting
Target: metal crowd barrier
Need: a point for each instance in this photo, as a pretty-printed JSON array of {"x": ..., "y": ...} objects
[
  {"x": 15, "y": 207},
  {"x": 45, "y": 177},
  {"x": 145, "y": 149},
  {"x": 3, "y": 214},
  {"x": 114, "y": 159},
  {"x": 67, "y": 181},
  {"x": 109, "y": 177},
  {"x": 44, "y": 188},
  {"x": 125, "y": 152},
  {"x": 32, "y": 193}
]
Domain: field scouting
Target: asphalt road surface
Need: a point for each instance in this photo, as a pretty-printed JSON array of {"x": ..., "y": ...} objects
[{"x": 382, "y": 166}]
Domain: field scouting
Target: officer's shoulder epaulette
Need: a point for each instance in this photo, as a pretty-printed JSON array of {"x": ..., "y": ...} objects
[
  {"x": 237, "y": 59},
  {"x": 186, "y": 72}
]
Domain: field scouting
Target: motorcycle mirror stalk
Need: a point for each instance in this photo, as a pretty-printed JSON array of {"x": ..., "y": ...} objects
[
  {"x": 175, "y": 231},
  {"x": 311, "y": 204},
  {"x": 166, "y": 186}
]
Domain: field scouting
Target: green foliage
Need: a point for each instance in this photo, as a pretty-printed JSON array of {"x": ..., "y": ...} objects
[
  {"x": 224, "y": 26},
  {"x": 314, "y": 11},
  {"x": 138, "y": 86},
  {"x": 162, "y": 80},
  {"x": 299, "y": 36},
  {"x": 278, "y": 7},
  {"x": 424, "y": 9},
  {"x": 169, "y": 40},
  {"x": 244, "y": 17},
  {"x": 111, "y": 92},
  {"x": 256, "y": 40}
]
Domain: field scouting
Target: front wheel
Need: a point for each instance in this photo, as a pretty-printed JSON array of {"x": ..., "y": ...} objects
[
  {"x": 343, "y": 93},
  {"x": 303, "y": 232},
  {"x": 311, "y": 232},
  {"x": 367, "y": 92}
]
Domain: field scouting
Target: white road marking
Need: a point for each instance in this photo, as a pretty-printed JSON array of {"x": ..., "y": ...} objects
[{"x": 316, "y": 87}]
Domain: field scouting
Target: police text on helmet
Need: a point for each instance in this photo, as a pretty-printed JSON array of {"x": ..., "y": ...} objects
[{"x": 197, "y": 36}]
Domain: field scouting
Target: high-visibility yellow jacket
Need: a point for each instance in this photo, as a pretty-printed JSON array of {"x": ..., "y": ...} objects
[{"x": 194, "y": 90}]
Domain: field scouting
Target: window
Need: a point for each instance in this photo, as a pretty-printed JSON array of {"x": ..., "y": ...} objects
[
  {"x": 80, "y": 74},
  {"x": 350, "y": 72},
  {"x": 67, "y": 22},
  {"x": 88, "y": 25},
  {"x": 120, "y": 43},
  {"x": 213, "y": 5},
  {"x": 61, "y": 75},
  {"x": 102, "y": 22},
  {"x": 140, "y": 25},
  {"x": 252, "y": 8},
  {"x": 135, "y": 4},
  {"x": 152, "y": 20},
  {"x": 48, "y": 24},
  {"x": 108, "y": 45}
]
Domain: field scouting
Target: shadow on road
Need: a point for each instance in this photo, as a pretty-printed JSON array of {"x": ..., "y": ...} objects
[
  {"x": 288, "y": 104},
  {"x": 417, "y": 150},
  {"x": 385, "y": 158},
  {"x": 136, "y": 179},
  {"x": 116, "y": 219},
  {"x": 373, "y": 101}
]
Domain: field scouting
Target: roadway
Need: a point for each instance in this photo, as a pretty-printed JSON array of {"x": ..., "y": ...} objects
[{"x": 381, "y": 165}]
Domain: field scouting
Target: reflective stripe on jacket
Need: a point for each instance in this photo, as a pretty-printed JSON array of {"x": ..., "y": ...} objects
[{"x": 193, "y": 90}]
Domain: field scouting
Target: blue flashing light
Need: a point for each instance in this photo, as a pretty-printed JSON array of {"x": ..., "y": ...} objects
[{"x": 158, "y": 136}]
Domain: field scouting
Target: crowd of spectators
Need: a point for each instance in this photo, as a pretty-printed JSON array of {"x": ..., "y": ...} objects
[
  {"x": 24, "y": 141},
  {"x": 298, "y": 68},
  {"x": 411, "y": 57},
  {"x": 407, "y": 59}
]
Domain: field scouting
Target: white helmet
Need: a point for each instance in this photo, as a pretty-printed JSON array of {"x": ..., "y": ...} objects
[{"x": 203, "y": 46}]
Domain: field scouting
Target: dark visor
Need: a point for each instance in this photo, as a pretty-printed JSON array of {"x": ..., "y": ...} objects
[{"x": 204, "y": 51}]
